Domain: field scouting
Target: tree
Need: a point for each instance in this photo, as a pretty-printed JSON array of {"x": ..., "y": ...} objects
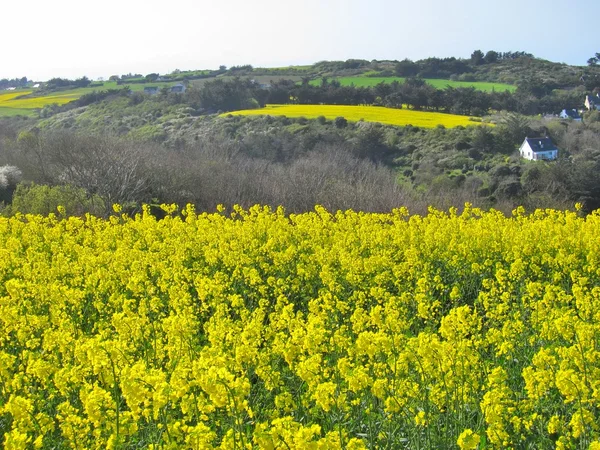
[
  {"x": 491, "y": 57},
  {"x": 594, "y": 59},
  {"x": 406, "y": 68},
  {"x": 151, "y": 77},
  {"x": 483, "y": 139},
  {"x": 340, "y": 122},
  {"x": 82, "y": 82},
  {"x": 477, "y": 57},
  {"x": 103, "y": 166},
  {"x": 512, "y": 129}
]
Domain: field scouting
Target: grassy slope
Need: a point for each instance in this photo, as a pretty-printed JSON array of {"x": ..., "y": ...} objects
[
  {"x": 438, "y": 84},
  {"x": 390, "y": 116}
]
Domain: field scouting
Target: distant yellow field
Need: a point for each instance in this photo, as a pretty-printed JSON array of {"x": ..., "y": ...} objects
[
  {"x": 11, "y": 100},
  {"x": 13, "y": 103},
  {"x": 10, "y": 96},
  {"x": 389, "y": 116}
]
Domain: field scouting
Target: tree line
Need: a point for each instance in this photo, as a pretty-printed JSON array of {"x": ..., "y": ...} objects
[
  {"x": 414, "y": 92},
  {"x": 61, "y": 83},
  {"x": 6, "y": 83}
]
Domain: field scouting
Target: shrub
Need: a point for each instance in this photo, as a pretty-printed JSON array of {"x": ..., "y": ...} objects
[
  {"x": 341, "y": 122},
  {"x": 42, "y": 199}
]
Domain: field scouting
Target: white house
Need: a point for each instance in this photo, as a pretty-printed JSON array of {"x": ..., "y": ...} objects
[
  {"x": 571, "y": 114},
  {"x": 592, "y": 102},
  {"x": 537, "y": 149}
]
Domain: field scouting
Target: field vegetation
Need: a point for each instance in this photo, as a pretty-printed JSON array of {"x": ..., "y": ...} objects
[
  {"x": 7, "y": 99},
  {"x": 257, "y": 329},
  {"x": 320, "y": 289},
  {"x": 370, "y": 81},
  {"x": 389, "y": 116}
]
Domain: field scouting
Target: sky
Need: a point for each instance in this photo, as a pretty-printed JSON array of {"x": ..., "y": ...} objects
[{"x": 42, "y": 39}]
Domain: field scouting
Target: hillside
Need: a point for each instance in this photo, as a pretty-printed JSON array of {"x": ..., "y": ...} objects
[
  {"x": 498, "y": 72},
  {"x": 432, "y": 166},
  {"x": 365, "y": 146}
]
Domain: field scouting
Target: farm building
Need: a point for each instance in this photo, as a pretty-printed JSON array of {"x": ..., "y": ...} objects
[
  {"x": 151, "y": 90},
  {"x": 178, "y": 88},
  {"x": 537, "y": 149},
  {"x": 570, "y": 114},
  {"x": 592, "y": 102}
]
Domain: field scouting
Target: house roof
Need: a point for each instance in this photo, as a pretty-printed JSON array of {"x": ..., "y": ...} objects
[
  {"x": 541, "y": 144},
  {"x": 572, "y": 113}
]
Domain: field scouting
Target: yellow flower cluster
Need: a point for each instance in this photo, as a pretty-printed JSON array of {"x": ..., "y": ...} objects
[{"x": 258, "y": 329}]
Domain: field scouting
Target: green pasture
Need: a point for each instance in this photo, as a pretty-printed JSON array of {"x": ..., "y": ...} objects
[
  {"x": 12, "y": 112},
  {"x": 361, "y": 81}
]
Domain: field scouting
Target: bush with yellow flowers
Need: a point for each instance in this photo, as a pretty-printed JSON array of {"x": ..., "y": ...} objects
[{"x": 258, "y": 329}]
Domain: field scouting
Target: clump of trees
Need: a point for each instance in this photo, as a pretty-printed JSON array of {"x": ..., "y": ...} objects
[
  {"x": 89, "y": 173},
  {"x": 64, "y": 83},
  {"x": 594, "y": 60},
  {"x": 6, "y": 83},
  {"x": 228, "y": 95}
]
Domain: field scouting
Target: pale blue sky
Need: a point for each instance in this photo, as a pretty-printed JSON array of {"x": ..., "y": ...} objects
[{"x": 71, "y": 38}]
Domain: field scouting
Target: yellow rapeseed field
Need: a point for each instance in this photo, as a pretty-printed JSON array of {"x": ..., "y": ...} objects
[
  {"x": 388, "y": 116},
  {"x": 257, "y": 329},
  {"x": 11, "y": 95},
  {"x": 13, "y": 100}
]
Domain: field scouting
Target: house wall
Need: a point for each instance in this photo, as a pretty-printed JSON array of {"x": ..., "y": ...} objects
[
  {"x": 526, "y": 151},
  {"x": 592, "y": 103},
  {"x": 540, "y": 156},
  {"x": 563, "y": 115}
]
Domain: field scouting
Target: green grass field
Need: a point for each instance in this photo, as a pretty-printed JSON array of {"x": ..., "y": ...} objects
[
  {"x": 438, "y": 84},
  {"x": 388, "y": 116},
  {"x": 13, "y": 112}
]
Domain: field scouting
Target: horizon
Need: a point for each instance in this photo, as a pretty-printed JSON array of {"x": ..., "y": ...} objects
[{"x": 140, "y": 37}]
